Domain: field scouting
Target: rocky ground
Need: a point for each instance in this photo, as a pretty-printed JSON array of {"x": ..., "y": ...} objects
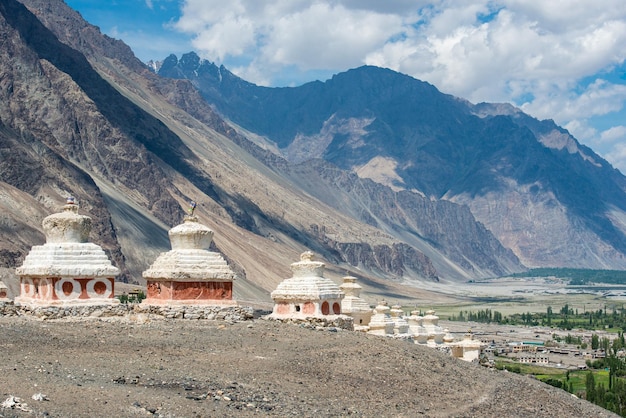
[{"x": 185, "y": 368}]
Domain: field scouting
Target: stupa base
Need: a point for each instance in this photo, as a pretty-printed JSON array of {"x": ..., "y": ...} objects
[{"x": 193, "y": 302}]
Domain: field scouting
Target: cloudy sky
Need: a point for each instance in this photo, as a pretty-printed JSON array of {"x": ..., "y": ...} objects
[{"x": 556, "y": 59}]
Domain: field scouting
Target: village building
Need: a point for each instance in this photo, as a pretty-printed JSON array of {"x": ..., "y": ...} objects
[
  {"x": 67, "y": 269},
  {"x": 307, "y": 294},
  {"x": 381, "y": 323},
  {"x": 521, "y": 347},
  {"x": 352, "y": 304},
  {"x": 536, "y": 359},
  {"x": 190, "y": 274}
]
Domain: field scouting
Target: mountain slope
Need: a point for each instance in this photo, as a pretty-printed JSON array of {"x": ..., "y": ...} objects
[
  {"x": 549, "y": 199},
  {"x": 93, "y": 122}
]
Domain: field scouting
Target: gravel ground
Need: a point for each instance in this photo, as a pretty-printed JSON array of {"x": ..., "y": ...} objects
[{"x": 181, "y": 368}]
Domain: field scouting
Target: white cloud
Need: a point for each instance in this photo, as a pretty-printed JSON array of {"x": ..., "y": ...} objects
[
  {"x": 616, "y": 133},
  {"x": 617, "y": 156},
  {"x": 563, "y": 104},
  {"x": 305, "y": 35},
  {"x": 614, "y": 141},
  {"x": 551, "y": 58}
]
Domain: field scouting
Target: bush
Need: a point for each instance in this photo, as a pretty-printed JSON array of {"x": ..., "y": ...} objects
[{"x": 554, "y": 382}]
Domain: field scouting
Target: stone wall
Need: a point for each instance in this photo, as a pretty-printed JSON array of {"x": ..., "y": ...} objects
[
  {"x": 231, "y": 313},
  {"x": 338, "y": 322}
]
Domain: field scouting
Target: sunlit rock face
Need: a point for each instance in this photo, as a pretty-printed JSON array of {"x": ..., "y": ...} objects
[
  {"x": 67, "y": 269},
  {"x": 308, "y": 294},
  {"x": 189, "y": 273}
]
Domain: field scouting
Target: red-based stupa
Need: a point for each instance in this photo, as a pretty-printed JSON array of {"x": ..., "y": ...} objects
[
  {"x": 67, "y": 269},
  {"x": 189, "y": 273}
]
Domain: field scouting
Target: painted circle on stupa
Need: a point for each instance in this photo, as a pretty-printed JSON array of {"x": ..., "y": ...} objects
[
  {"x": 67, "y": 289},
  {"x": 44, "y": 285},
  {"x": 28, "y": 287},
  {"x": 99, "y": 288},
  {"x": 325, "y": 308}
]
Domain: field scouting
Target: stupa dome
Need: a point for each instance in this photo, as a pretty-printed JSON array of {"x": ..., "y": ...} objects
[
  {"x": 66, "y": 252},
  {"x": 190, "y": 235},
  {"x": 308, "y": 293},
  {"x": 67, "y": 269},
  {"x": 189, "y": 273},
  {"x": 189, "y": 258},
  {"x": 67, "y": 226}
]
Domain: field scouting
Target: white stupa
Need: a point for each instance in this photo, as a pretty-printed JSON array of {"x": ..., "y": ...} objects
[
  {"x": 468, "y": 349},
  {"x": 381, "y": 322},
  {"x": 190, "y": 274},
  {"x": 416, "y": 327},
  {"x": 434, "y": 331},
  {"x": 400, "y": 325},
  {"x": 308, "y": 293},
  {"x": 354, "y": 306},
  {"x": 67, "y": 269}
]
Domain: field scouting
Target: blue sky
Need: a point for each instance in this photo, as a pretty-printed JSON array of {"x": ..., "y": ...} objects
[{"x": 557, "y": 59}]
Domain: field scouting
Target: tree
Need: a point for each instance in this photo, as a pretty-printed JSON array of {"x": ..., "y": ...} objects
[
  {"x": 549, "y": 315},
  {"x": 595, "y": 342},
  {"x": 590, "y": 387}
]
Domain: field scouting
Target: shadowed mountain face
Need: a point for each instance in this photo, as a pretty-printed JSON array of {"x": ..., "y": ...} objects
[
  {"x": 542, "y": 194},
  {"x": 366, "y": 170}
]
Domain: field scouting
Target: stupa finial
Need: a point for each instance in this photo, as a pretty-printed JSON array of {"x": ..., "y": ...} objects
[
  {"x": 70, "y": 205},
  {"x": 306, "y": 256},
  {"x": 192, "y": 207}
]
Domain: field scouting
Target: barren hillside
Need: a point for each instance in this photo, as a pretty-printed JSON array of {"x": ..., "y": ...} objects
[{"x": 188, "y": 368}]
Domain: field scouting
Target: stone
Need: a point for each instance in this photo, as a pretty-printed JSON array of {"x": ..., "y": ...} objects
[
  {"x": 67, "y": 269},
  {"x": 190, "y": 274}
]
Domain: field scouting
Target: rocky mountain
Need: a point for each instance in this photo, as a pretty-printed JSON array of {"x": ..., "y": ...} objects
[
  {"x": 550, "y": 200},
  {"x": 81, "y": 116}
]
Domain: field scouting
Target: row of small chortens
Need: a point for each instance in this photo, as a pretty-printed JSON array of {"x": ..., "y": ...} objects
[{"x": 70, "y": 271}]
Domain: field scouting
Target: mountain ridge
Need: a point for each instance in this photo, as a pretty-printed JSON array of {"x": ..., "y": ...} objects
[
  {"x": 145, "y": 145},
  {"x": 441, "y": 146},
  {"x": 135, "y": 158}
]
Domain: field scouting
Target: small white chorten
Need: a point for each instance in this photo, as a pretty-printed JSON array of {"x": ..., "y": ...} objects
[
  {"x": 400, "y": 325},
  {"x": 353, "y": 305},
  {"x": 381, "y": 322},
  {"x": 434, "y": 331},
  {"x": 420, "y": 335},
  {"x": 67, "y": 269},
  {"x": 308, "y": 293},
  {"x": 467, "y": 349},
  {"x": 189, "y": 273}
]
